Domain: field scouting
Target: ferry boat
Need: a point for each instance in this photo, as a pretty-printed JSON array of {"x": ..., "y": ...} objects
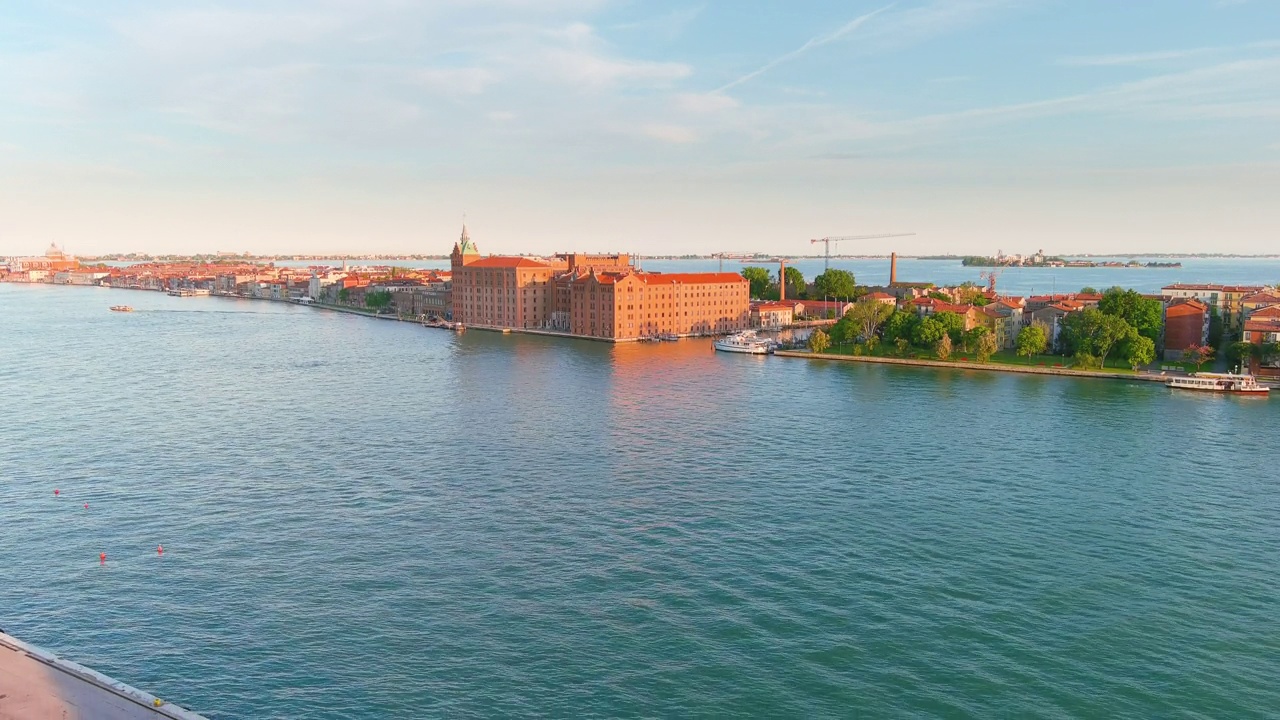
[
  {"x": 189, "y": 292},
  {"x": 121, "y": 308},
  {"x": 744, "y": 342},
  {"x": 1219, "y": 382}
]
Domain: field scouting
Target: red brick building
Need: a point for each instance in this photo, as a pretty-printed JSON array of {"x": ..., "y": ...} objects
[
  {"x": 1186, "y": 323},
  {"x": 598, "y": 296}
]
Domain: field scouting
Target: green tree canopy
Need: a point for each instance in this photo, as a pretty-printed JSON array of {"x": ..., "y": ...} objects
[
  {"x": 899, "y": 325},
  {"x": 927, "y": 333},
  {"x": 1086, "y": 290},
  {"x": 844, "y": 331},
  {"x": 1093, "y": 332},
  {"x": 836, "y": 283},
  {"x": 819, "y": 342},
  {"x": 943, "y": 347},
  {"x": 1144, "y": 314},
  {"x": 987, "y": 346},
  {"x": 867, "y": 316},
  {"x": 377, "y": 299},
  {"x": 759, "y": 279},
  {"x": 970, "y": 338},
  {"x": 795, "y": 283},
  {"x": 1243, "y": 351},
  {"x": 953, "y": 323},
  {"x": 1139, "y": 350},
  {"x": 1031, "y": 341}
]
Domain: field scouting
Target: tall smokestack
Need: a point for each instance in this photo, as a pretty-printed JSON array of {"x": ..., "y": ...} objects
[{"x": 893, "y": 269}]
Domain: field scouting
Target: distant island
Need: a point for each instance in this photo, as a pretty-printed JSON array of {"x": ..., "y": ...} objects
[{"x": 1041, "y": 260}]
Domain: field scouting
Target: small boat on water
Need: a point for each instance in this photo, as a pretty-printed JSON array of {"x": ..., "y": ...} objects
[
  {"x": 747, "y": 342},
  {"x": 189, "y": 292},
  {"x": 1219, "y": 382},
  {"x": 121, "y": 308}
]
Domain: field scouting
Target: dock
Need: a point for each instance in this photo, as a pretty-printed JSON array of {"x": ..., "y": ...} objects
[{"x": 36, "y": 684}]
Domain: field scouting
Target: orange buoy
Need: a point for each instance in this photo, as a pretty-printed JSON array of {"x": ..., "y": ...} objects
[
  {"x": 102, "y": 558},
  {"x": 159, "y": 549}
]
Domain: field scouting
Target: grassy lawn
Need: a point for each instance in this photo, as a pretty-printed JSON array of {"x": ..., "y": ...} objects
[{"x": 958, "y": 357}]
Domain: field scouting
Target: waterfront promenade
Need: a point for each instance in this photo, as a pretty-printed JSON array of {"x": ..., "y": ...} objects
[
  {"x": 995, "y": 367},
  {"x": 37, "y": 685}
]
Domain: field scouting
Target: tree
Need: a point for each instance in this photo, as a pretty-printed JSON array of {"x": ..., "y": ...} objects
[
  {"x": 835, "y": 283},
  {"x": 1093, "y": 332},
  {"x": 1031, "y": 341},
  {"x": 902, "y": 344},
  {"x": 819, "y": 342},
  {"x": 951, "y": 322},
  {"x": 927, "y": 333},
  {"x": 344, "y": 295},
  {"x": 943, "y": 348},
  {"x": 844, "y": 331},
  {"x": 970, "y": 293},
  {"x": 795, "y": 283},
  {"x": 969, "y": 338},
  {"x": 1140, "y": 350},
  {"x": 938, "y": 295},
  {"x": 759, "y": 279},
  {"x": 1241, "y": 352},
  {"x": 378, "y": 299},
  {"x": 986, "y": 346},
  {"x": 1198, "y": 355},
  {"x": 1086, "y": 290},
  {"x": 1215, "y": 326},
  {"x": 1145, "y": 315},
  {"x": 901, "y": 324},
  {"x": 867, "y": 315}
]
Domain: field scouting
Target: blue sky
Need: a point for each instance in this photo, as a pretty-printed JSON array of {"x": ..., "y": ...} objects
[{"x": 653, "y": 127}]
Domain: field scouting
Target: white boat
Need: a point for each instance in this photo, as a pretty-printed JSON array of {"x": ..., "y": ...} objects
[
  {"x": 744, "y": 342},
  {"x": 1219, "y": 382}
]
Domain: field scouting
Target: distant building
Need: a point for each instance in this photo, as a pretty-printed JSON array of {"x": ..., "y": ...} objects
[{"x": 54, "y": 260}]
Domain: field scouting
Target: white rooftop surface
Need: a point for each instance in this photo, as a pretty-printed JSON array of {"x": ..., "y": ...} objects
[{"x": 37, "y": 685}]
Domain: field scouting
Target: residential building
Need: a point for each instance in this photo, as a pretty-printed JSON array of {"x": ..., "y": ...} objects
[
  {"x": 772, "y": 314},
  {"x": 1186, "y": 324}
]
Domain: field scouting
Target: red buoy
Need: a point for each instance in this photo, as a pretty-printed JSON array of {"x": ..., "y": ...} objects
[
  {"x": 55, "y": 491},
  {"x": 159, "y": 549},
  {"x": 102, "y": 558},
  {"x": 86, "y": 506}
]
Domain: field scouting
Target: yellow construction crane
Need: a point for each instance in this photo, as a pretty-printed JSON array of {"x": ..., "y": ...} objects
[{"x": 828, "y": 240}]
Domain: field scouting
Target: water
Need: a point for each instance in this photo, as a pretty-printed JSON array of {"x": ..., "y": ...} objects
[{"x": 371, "y": 519}]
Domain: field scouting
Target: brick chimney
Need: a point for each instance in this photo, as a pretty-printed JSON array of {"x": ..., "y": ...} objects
[{"x": 893, "y": 269}]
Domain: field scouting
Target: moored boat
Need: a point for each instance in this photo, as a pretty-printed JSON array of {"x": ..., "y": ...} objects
[
  {"x": 1219, "y": 382},
  {"x": 746, "y": 342}
]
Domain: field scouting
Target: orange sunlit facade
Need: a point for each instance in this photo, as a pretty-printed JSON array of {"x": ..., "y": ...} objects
[{"x": 597, "y": 296}]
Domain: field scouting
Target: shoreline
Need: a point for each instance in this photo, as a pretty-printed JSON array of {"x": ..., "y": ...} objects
[{"x": 991, "y": 367}]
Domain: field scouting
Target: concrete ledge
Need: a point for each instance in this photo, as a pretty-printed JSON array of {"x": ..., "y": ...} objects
[
  {"x": 993, "y": 367},
  {"x": 35, "y": 684}
]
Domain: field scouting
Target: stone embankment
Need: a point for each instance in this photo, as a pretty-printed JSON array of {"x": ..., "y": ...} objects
[{"x": 994, "y": 367}]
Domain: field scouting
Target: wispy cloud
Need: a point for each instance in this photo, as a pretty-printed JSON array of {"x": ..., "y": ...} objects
[
  {"x": 814, "y": 42},
  {"x": 1143, "y": 58}
]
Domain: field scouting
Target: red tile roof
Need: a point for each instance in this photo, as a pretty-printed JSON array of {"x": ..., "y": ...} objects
[
  {"x": 691, "y": 278},
  {"x": 501, "y": 261},
  {"x": 1183, "y": 309}
]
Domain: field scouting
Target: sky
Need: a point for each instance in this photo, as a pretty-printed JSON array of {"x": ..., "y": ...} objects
[{"x": 657, "y": 127}]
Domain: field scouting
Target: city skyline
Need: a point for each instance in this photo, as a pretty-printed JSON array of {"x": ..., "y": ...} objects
[{"x": 668, "y": 128}]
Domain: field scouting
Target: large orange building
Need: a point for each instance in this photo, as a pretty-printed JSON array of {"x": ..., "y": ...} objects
[{"x": 598, "y": 296}]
